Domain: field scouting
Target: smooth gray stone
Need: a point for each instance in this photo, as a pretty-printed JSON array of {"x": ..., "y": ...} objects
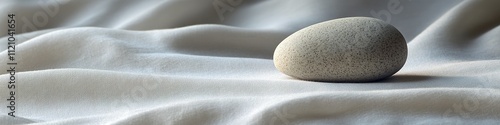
[{"x": 353, "y": 49}]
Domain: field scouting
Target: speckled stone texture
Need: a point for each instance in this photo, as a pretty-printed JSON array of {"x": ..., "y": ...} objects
[{"x": 353, "y": 49}]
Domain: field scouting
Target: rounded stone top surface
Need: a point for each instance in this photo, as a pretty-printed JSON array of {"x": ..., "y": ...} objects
[{"x": 353, "y": 49}]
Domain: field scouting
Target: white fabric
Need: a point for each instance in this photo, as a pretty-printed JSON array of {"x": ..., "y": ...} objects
[{"x": 179, "y": 62}]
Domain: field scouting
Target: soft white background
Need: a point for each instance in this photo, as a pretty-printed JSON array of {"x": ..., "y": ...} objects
[{"x": 177, "y": 62}]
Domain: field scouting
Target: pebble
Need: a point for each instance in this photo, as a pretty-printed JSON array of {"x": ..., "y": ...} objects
[{"x": 352, "y": 49}]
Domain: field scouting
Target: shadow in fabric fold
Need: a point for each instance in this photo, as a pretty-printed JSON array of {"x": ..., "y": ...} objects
[
  {"x": 407, "y": 78},
  {"x": 392, "y": 79},
  {"x": 224, "y": 41}
]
